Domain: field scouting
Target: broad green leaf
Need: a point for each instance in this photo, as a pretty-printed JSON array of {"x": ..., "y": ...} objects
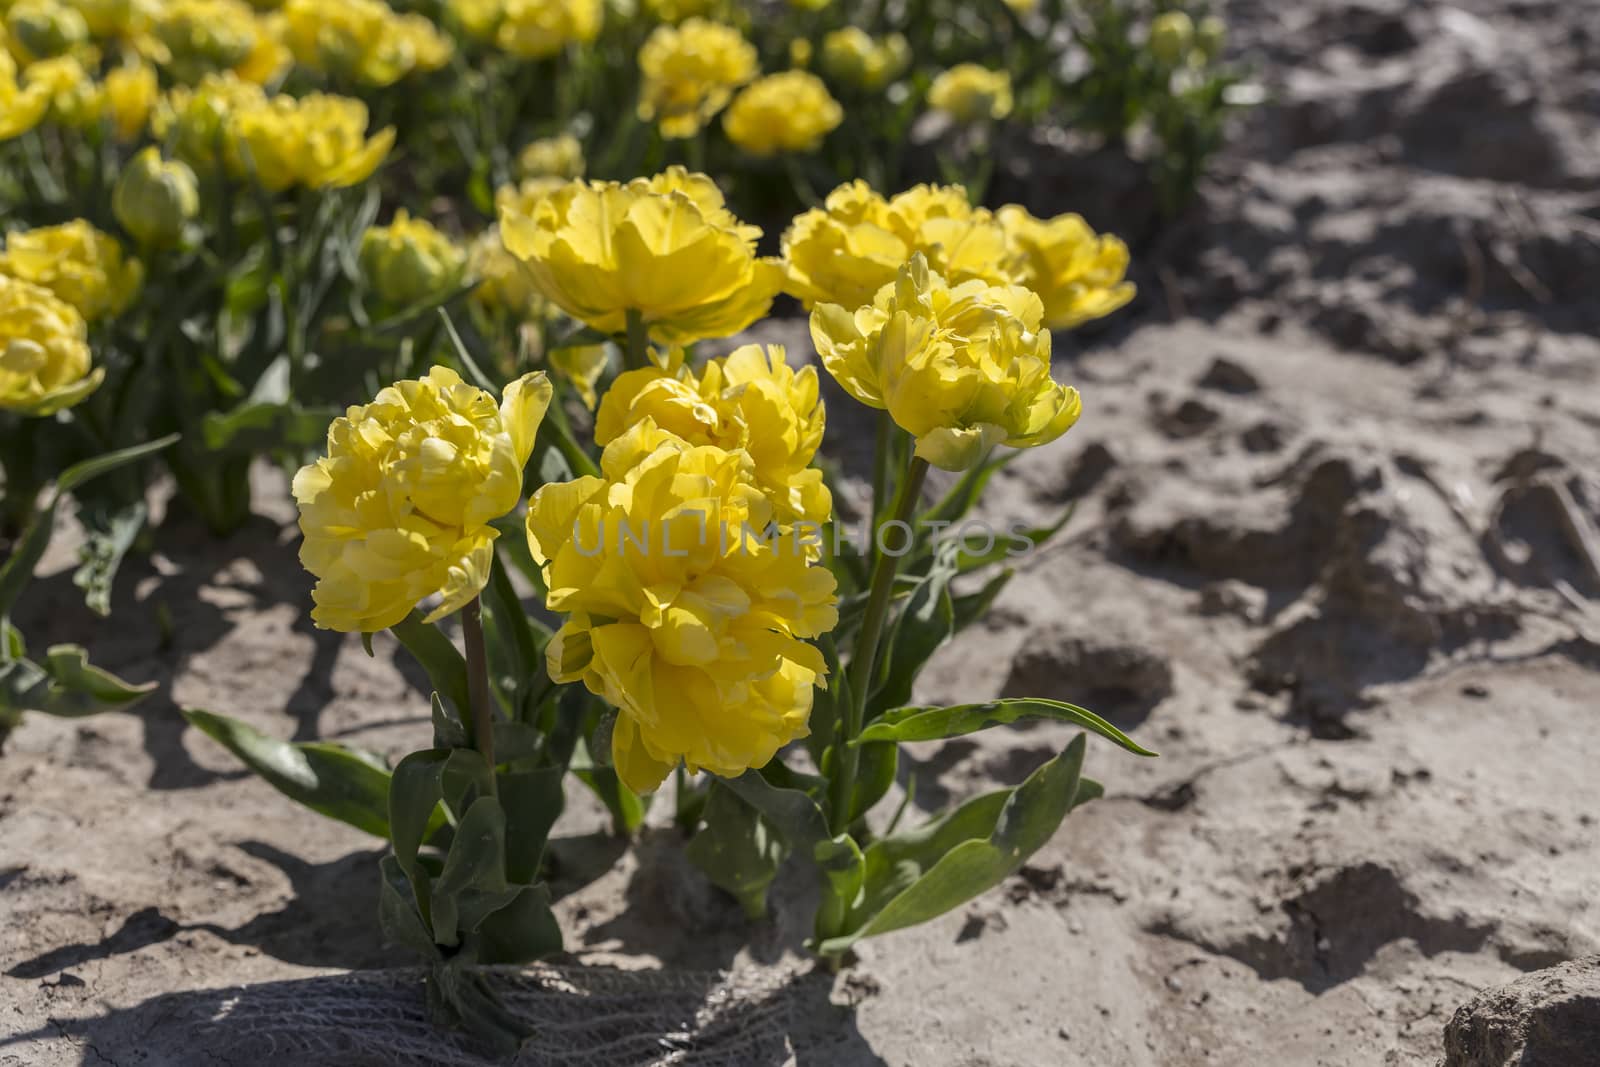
[
  {"x": 520, "y": 932},
  {"x": 330, "y": 779},
  {"x": 736, "y": 849},
  {"x": 16, "y": 570},
  {"x": 927, "y": 723},
  {"x": 874, "y": 775},
  {"x": 397, "y": 911},
  {"x": 477, "y": 861},
  {"x": 264, "y": 426},
  {"x": 627, "y": 808},
  {"x": 78, "y": 688},
  {"x": 532, "y": 801},
  {"x": 446, "y": 667},
  {"x": 965, "y": 861},
  {"x": 515, "y": 643},
  {"x": 972, "y": 607},
  {"x": 794, "y": 814}
]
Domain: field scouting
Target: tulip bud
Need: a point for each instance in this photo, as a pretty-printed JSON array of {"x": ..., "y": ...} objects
[
  {"x": 46, "y": 28},
  {"x": 155, "y": 199},
  {"x": 1209, "y": 38},
  {"x": 1171, "y": 36},
  {"x": 410, "y": 262}
]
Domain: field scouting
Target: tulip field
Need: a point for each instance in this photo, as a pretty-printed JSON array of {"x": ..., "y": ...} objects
[{"x": 788, "y": 531}]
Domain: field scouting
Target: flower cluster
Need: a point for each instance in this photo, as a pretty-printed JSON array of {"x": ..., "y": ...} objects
[
  {"x": 782, "y": 113},
  {"x": 970, "y": 93},
  {"x": 665, "y": 249},
  {"x": 697, "y": 636},
  {"x": 846, "y": 251},
  {"x": 399, "y": 509},
  {"x": 690, "y": 72},
  {"x": 44, "y": 351},
  {"x": 193, "y": 38}
]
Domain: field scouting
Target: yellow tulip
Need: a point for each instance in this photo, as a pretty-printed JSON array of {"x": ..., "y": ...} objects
[
  {"x": 560, "y": 156},
  {"x": 44, "y": 351},
  {"x": 109, "y": 19},
  {"x": 664, "y": 247},
  {"x": 1078, "y": 274},
  {"x": 847, "y": 250},
  {"x": 504, "y": 284},
  {"x": 961, "y": 368},
  {"x": 677, "y": 613},
  {"x": 199, "y": 37},
  {"x": 969, "y": 93},
  {"x": 40, "y": 29},
  {"x": 409, "y": 262},
  {"x": 130, "y": 97},
  {"x": 364, "y": 40},
  {"x": 154, "y": 199},
  {"x": 852, "y": 57},
  {"x": 399, "y": 509},
  {"x": 751, "y": 400},
  {"x": 21, "y": 108},
  {"x": 583, "y": 366},
  {"x": 77, "y": 263},
  {"x": 690, "y": 72},
  {"x": 1171, "y": 36},
  {"x": 535, "y": 29},
  {"x": 678, "y": 10},
  {"x": 782, "y": 113},
  {"x": 75, "y": 100}
]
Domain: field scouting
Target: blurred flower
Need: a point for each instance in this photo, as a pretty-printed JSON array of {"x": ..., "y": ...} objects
[
  {"x": 193, "y": 38},
  {"x": 130, "y": 97},
  {"x": 504, "y": 285},
  {"x": 799, "y": 53},
  {"x": 697, "y": 636},
  {"x": 809, "y": 5},
  {"x": 690, "y": 72},
  {"x": 665, "y": 247},
  {"x": 317, "y": 140},
  {"x": 39, "y": 29},
  {"x": 525, "y": 195},
  {"x": 751, "y": 400},
  {"x": 560, "y": 156},
  {"x": 530, "y": 29},
  {"x": 960, "y": 368},
  {"x": 856, "y": 243},
  {"x": 44, "y": 351},
  {"x": 75, "y": 101},
  {"x": 1078, "y": 274},
  {"x": 852, "y": 57},
  {"x": 77, "y": 263},
  {"x": 583, "y": 366},
  {"x": 363, "y": 40},
  {"x": 21, "y": 109},
  {"x": 154, "y": 199},
  {"x": 678, "y": 10},
  {"x": 1022, "y": 7},
  {"x": 1171, "y": 35},
  {"x": 111, "y": 19},
  {"x": 1210, "y": 37},
  {"x": 408, "y": 262},
  {"x": 969, "y": 93},
  {"x": 781, "y": 113},
  {"x": 399, "y": 510}
]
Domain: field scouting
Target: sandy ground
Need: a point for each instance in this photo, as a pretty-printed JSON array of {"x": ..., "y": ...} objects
[{"x": 1335, "y": 476}]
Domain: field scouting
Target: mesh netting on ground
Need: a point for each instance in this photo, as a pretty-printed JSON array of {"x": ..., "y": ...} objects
[{"x": 581, "y": 1016}]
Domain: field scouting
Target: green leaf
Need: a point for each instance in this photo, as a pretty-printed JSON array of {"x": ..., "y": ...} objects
[
  {"x": 736, "y": 849},
  {"x": 927, "y": 723},
  {"x": 515, "y": 646},
  {"x": 627, "y": 808},
  {"x": 971, "y": 607},
  {"x": 793, "y": 813},
  {"x": 533, "y": 801},
  {"x": 917, "y": 877},
  {"x": 78, "y": 688},
  {"x": 397, "y": 911},
  {"x": 520, "y": 932},
  {"x": 439, "y": 657},
  {"x": 1019, "y": 542},
  {"x": 874, "y": 775},
  {"x": 925, "y": 623},
  {"x": 476, "y": 861},
  {"x": 16, "y": 571},
  {"x": 330, "y": 779},
  {"x": 107, "y": 537}
]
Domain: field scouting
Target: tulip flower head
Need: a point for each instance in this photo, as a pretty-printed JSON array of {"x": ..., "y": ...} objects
[
  {"x": 782, "y": 114},
  {"x": 399, "y": 509},
  {"x": 664, "y": 247},
  {"x": 44, "y": 351},
  {"x": 694, "y": 632},
  {"x": 959, "y": 367},
  {"x": 1078, "y": 274},
  {"x": 690, "y": 72},
  {"x": 155, "y": 199},
  {"x": 77, "y": 263},
  {"x": 969, "y": 93},
  {"x": 409, "y": 262}
]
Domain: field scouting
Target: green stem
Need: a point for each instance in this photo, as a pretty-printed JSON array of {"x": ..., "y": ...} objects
[
  {"x": 881, "y": 459},
  {"x": 637, "y": 354},
  {"x": 865, "y": 660},
  {"x": 478, "y": 685}
]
